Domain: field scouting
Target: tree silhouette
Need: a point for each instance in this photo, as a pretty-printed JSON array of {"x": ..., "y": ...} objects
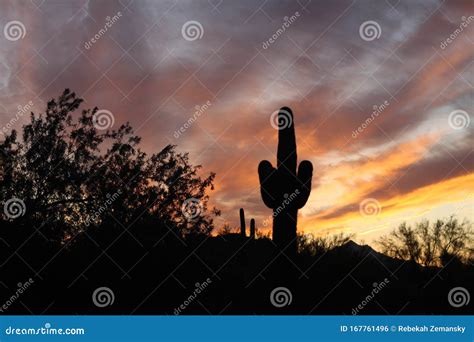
[
  {"x": 430, "y": 244},
  {"x": 72, "y": 176}
]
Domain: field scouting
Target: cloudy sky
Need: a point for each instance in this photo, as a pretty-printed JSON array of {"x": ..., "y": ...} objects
[{"x": 333, "y": 62}]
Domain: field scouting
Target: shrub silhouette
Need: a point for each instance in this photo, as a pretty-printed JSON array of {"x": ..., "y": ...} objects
[
  {"x": 71, "y": 176},
  {"x": 282, "y": 188},
  {"x": 315, "y": 246},
  {"x": 431, "y": 244}
]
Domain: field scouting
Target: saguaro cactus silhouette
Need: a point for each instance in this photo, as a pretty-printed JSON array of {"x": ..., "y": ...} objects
[
  {"x": 282, "y": 188},
  {"x": 242, "y": 222},
  {"x": 252, "y": 229},
  {"x": 243, "y": 226}
]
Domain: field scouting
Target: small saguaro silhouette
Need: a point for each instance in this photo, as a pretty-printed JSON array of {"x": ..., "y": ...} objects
[
  {"x": 242, "y": 222},
  {"x": 282, "y": 188},
  {"x": 243, "y": 225}
]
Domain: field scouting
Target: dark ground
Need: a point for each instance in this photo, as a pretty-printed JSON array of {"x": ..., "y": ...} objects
[{"x": 151, "y": 271}]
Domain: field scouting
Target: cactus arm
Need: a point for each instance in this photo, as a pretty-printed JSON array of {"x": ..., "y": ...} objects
[
  {"x": 305, "y": 175},
  {"x": 266, "y": 174}
]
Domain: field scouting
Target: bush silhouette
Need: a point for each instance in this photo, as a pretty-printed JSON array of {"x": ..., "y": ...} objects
[
  {"x": 433, "y": 244},
  {"x": 72, "y": 176}
]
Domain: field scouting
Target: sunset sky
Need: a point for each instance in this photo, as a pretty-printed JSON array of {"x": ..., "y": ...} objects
[{"x": 413, "y": 159}]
